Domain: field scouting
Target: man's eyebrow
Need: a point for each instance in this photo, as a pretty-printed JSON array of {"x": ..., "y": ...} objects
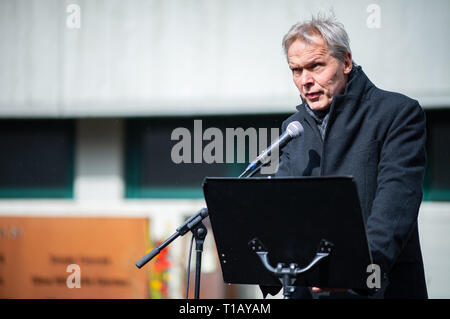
[
  {"x": 294, "y": 65},
  {"x": 306, "y": 64}
]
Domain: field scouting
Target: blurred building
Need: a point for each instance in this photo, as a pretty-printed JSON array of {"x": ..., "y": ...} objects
[{"x": 91, "y": 91}]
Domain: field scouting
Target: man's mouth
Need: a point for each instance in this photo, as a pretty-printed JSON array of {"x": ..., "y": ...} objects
[{"x": 312, "y": 95}]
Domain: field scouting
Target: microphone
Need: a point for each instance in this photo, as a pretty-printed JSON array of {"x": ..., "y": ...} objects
[{"x": 293, "y": 130}]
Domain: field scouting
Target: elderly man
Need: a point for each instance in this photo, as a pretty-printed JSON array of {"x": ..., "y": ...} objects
[{"x": 354, "y": 128}]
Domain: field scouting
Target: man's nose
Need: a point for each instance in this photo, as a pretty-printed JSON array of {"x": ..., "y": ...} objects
[{"x": 306, "y": 78}]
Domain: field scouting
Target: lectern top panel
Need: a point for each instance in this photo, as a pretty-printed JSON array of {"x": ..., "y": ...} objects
[{"x": 289, "y": 216}]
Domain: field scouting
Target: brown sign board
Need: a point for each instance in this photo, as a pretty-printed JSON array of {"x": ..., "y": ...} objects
[{"x": 59, "y": 257}]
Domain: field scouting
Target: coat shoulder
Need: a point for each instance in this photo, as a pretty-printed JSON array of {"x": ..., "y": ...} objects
[{"x": 392, "y": 101}]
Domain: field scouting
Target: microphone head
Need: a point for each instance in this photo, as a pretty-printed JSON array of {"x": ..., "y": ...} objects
[{"x": 294, "y": 129}]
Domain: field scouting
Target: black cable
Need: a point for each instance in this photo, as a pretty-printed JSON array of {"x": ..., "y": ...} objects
[{"x": 189, "y": 267}]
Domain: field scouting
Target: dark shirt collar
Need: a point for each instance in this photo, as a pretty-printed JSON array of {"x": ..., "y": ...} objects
[{"x": 317, "y": 115}]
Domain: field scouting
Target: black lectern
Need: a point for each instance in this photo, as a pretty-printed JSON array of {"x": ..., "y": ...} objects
[{"x": 309, "y": 230}]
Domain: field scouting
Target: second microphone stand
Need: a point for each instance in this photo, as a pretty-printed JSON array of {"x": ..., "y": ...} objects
[{"x": 199, "y": 231}]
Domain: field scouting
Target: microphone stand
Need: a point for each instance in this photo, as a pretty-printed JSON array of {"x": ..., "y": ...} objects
[{"x": 199, "y": 231}]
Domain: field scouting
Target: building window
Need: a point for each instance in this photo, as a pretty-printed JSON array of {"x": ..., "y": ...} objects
[
  {"x": 437, "y": 177},
  {"x": 37, "y": 158},
  {"x": 152, "y": 171}
]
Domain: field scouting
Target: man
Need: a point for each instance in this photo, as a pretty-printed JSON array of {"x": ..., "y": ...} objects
[{"x": 354, "y": 128}]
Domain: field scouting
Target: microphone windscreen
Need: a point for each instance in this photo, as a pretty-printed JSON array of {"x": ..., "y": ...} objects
[{"x": 294, "y": 129}]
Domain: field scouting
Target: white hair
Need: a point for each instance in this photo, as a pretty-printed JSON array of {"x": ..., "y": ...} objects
[{"x": 328, "y": 28}]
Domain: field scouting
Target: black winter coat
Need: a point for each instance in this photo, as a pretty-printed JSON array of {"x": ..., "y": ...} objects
[{"x": 378, "y": 137}]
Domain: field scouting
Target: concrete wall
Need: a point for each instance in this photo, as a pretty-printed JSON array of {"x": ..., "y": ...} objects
[{"x": 143, "y": 57}]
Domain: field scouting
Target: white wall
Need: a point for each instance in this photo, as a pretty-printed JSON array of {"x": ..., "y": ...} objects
[
  {"x": 98, "y": 161},
  {"x": 142, "y": 57},
  {"x": 434, "y": 230}
]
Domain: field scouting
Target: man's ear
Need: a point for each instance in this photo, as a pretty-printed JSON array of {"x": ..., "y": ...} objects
[{"x": 348, "y": 63}]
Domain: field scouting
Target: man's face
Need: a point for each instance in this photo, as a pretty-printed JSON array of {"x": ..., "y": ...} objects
[{"x": 317, "y": 74}]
